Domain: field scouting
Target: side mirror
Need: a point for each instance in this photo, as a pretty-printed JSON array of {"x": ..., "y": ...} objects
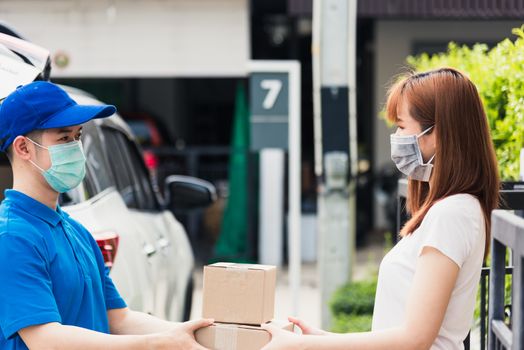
[{"x": 187, "y": 193}]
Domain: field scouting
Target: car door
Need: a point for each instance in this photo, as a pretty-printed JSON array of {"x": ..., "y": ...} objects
[
  {"x": 135, "y": 187},
  {"x": 100, "y": 208},
  {"x": 174, "y": 275}
]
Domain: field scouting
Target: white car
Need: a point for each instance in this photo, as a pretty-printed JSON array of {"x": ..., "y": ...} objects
[{"x": 147, "y": 249}]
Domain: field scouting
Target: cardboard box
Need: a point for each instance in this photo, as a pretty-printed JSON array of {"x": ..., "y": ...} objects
[
  {"x": 236, "y": 337},
  {"x": 239, "y": 293}
]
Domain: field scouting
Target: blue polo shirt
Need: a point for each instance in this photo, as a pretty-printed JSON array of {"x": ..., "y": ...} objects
[{"x": 51, "y": 270}]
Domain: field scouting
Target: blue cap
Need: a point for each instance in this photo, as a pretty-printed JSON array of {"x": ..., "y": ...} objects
[{"x": 42, "y": 105}]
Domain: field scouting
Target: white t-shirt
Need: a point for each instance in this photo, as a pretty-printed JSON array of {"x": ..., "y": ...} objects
[{"x": 454, "y": 226}]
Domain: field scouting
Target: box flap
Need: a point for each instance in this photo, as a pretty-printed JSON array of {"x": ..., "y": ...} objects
[{"x": 243, "y": 266}]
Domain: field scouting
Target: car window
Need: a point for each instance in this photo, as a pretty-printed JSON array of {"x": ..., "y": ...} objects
[
  {"x": 141, "y": 175},
  {"x": 123, "y": 180},
  {"x": 141, "y": 131},
  {"x": 98, "y": 175},
  {"x": 131, "y": 177}
]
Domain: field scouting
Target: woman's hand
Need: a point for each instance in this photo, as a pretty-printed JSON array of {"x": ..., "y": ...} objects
[
  {"x": 306, "y": 329},
  {"x": 282, "y": 339}
]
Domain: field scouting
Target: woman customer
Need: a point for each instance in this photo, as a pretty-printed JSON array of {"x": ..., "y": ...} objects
[{"x": 428, "y": 282}]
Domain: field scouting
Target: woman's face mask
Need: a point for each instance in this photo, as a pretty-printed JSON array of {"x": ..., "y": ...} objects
[
  {"x": 406, "y": 154},
  {"x": 67, "y": 165}
]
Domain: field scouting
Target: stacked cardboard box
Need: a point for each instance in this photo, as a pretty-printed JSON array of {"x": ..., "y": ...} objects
[{"x": 240, "y": 298}]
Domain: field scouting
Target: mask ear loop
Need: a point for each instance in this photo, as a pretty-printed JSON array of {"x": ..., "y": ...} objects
[
  {"x": 425, "y": 131},
  {"x": 431, "y": 159},
  {"x": 36, "y": 166},
  {"x": 39, "y": 145},
  {"x": 420, "y": 135},
  {"x": 36, "y": 143}
]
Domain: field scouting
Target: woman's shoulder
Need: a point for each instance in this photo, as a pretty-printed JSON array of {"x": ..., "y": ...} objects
[
  {"x": 454, "y": 225},
  {"x": 461, "y": 204}
]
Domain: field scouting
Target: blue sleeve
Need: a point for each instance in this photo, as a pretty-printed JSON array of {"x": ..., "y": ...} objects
[
  {"x": 113, "y": 298},
  {"x": 26, "y": 292}
]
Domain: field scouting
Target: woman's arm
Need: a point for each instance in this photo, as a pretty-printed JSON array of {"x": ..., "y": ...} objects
[{"x": 435, "y": 277}]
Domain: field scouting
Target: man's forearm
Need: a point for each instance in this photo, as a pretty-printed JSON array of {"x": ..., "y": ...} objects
[
  {"x": 134, "y": 322},
  {"x": 54, "y": 336}
]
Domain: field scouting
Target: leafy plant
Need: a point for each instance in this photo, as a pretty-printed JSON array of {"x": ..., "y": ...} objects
[
  {"x": 352, "y": 323},
  {"x": 355, "y": 298},
  {"x": 498, "y": 74},
  {"x": 352, "y": 306}
]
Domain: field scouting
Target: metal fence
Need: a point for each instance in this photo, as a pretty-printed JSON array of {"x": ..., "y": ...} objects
[
  {"x": 512, "y": 198},
  {"x": 508, "y": 234}
]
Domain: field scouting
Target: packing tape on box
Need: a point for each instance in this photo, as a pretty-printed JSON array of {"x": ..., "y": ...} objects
[
  {"x": 226, "y": 337},
  {"x": 238, "y": 267},
  {"x": 238, "y": 274}
]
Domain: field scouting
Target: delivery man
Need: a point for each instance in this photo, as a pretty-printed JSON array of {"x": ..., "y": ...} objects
[{"x": 55, "y": 292}]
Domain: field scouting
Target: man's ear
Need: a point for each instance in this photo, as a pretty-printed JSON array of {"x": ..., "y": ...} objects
[{"x": 21, "y": 148}]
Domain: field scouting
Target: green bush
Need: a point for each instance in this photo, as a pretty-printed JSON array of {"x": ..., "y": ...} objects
[
  {"x": 354, "y": 298},
  {"x": 351, "y": 323},
  {"x": 352, "y": 306},
  {"x": 498, "y": 74}
]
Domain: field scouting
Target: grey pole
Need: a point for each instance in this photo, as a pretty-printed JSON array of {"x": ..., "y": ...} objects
[{"x": 334, "y": 56}]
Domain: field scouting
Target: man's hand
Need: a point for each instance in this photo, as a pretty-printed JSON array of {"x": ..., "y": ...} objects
[{"x": 182, "y": 336}]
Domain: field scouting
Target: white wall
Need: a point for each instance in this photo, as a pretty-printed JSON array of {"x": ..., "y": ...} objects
[
  {"x": 394, "y": 41},
  {"x": 137, "y": 38}
]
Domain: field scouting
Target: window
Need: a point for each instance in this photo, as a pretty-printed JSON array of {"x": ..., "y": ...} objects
[
  {"x": 132, "y": 179},
  {"x": 98, "y": 175}
]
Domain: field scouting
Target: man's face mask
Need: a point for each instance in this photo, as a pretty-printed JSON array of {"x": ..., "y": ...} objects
[
  {"x": 67, "y": 165},
  {"x": 406, "y": 154}
]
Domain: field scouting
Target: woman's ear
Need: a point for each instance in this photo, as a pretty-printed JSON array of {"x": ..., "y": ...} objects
[
  {"x": 432, "y": 140},
  {"x": 20, "y": 148}
]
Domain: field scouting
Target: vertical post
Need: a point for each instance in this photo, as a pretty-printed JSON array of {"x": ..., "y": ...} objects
[
  {"x": 276, "y": 123},
  {"x": 483, "y": 327},
  {"x": 271, "y": 208},
  {"x": 334, "y": 244},
  {"x": 496, "y": 288},
  {"x": 317, "y": 110},
  {"x": 294, "y": 183},
  {"x": 334, "y": 80},
  {"x": 517, "y": 316},
  {"x": 353, "y": 145}
]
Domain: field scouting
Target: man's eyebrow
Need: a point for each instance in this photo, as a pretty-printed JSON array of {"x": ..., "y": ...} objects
[{"x": 68, "y": 130}]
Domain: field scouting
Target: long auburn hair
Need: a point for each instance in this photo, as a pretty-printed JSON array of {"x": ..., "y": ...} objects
[{"x": 465, "y": 160}]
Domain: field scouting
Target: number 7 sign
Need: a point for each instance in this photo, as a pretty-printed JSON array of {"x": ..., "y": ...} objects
[{"x": 273, "y": 87}]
